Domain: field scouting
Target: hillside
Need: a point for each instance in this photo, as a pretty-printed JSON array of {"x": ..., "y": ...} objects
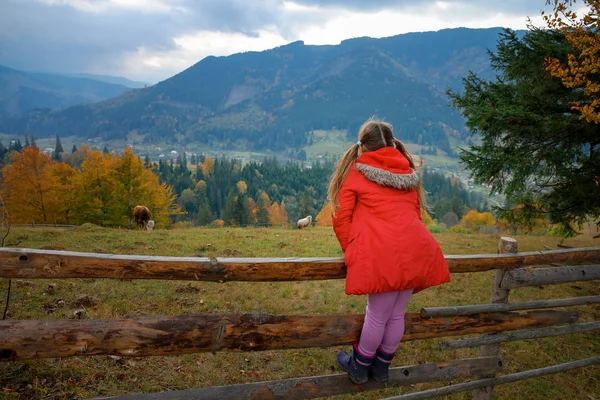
[
  {"x": 22, "y": 91},
  {"x": 273, "y": 99},
  {"x": 117, "y": 80}
]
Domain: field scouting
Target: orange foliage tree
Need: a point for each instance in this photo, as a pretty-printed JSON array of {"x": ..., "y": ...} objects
[
  {"x": 207, "y": 167},
  {"x": 583, "y": 66},
  {"x": 324, "y": 216},
  {"x": 32, "y": 192},
  {"x": 283, "y": 213},
  {"x": 104, "y": 191},
  {"x": 275, "y": 214}
]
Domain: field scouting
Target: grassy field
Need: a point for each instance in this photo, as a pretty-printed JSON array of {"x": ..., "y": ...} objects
[{"x": 82, "y": 377}]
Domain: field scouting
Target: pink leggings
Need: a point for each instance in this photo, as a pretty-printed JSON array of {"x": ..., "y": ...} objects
[{"x": 384, "y": 322}]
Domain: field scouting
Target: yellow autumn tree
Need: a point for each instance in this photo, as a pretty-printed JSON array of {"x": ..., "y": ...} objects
[
  {"x": 323, "y": 218},
  {"x": 275, "y": 214},
  {"x": 109, "y": 186},
  {"x": 76, "y": 159},
  {"x": 31, "y": 192},
  {"x": 581, "y": 70},
  {"x": 242, "y": 187},
  {"x": 132, "y": 186},
  {"x": 93, "y": 189},
  {"x": 63, "y": 173},
  {"x": 426, "y": 218},
  {"x": 475, "y": 220}
]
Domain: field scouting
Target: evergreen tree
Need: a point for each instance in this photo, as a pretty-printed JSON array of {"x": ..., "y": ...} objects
[
  {"x": 74, "y": 149},
  {"x": 3, "y": 151},
  {"x": 228, "y": 214},
  {"x": 16, "y": 146},
  {"x": 242, "y": 211},
  {"x": 306, "y": 204},
  {"x": 32, "y": 142},
  {"x": 27, "y": 141},
  {"x": 534, "y": 147},
  {"x": 205, "y": 216},
  {"x": 105, "y": 150},
  {"x": 58, "y": 150},
  {"x": 147, "y": 161}
]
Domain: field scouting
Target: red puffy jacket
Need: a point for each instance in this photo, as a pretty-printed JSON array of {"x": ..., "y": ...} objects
[{"x": 378, "y": 224}]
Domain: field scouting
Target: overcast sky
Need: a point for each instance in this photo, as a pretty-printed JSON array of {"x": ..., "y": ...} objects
[{"x": 151, "y": 40}]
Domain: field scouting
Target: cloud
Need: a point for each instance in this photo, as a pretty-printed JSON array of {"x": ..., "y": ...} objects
[
  {"x": 512, "y": 6},
  {"x": 154, "y": 39}
]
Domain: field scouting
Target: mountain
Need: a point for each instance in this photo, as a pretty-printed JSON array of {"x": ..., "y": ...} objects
[
  {"x": 22, "y": 91},
  {"x": 117, "y": 80},
  {"x": 273, "y": 99}
]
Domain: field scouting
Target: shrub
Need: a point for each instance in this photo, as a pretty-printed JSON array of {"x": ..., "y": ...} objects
[
  {"x": 460, "y": 229},
  {"x": 434, "y": 228}
]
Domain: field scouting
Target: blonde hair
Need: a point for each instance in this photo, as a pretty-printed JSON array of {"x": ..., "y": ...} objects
[{"x": 373, "y": 135}]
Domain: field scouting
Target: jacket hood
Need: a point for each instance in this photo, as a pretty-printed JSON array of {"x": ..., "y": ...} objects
[{"x": 388, "y": 167}]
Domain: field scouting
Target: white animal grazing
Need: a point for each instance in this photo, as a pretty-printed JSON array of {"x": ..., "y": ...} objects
[
  {"x": 304, "y": 222},
  {"x": 149, "y": 225}
]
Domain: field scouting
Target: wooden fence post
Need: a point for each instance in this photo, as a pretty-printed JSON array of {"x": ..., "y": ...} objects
[{"x": 499, "y": 296}]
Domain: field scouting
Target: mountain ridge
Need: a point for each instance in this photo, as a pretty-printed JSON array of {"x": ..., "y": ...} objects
[
  {"x": 22, "y": 91},
  {"x": 273, "y": 99}
]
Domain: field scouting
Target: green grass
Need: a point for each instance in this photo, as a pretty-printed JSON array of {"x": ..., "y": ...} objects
[
  {"x": 332, "y": 143},
  {"x": 84, "y": 377}
]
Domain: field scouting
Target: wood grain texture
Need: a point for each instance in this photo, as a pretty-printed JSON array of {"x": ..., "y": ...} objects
[
  {"x": 175, "y": 335},
  {"x": 53, "y": 264},
  {"x": 527, "y": 305},
  {"x": 328, "y": 385},
  {"x": 501, "y": 380},
  {"x": 506, "y": 245},
  {"x": 549, "y": 276},
  {"x": 520, "y": 335}
]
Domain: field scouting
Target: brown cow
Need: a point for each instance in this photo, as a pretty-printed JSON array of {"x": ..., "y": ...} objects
[{"x": 142, "y": 215}]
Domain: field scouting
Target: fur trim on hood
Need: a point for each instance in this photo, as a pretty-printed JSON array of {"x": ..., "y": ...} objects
[{"x": 387, "y": 178}]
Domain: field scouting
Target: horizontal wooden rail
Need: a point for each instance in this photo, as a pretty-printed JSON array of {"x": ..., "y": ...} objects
[
  {"x": 549, "y": 276},
  {"x": 520, "y": 335},
  {"x": 53, "y": 264},
  {"x": 329, "y": 385},
  {"x": 174, "y": 335},
  {"x": 501, "y": 380},
  {"x": 528, "y": 305}
]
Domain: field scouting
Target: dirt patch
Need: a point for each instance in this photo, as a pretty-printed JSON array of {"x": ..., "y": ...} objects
[
  {"x": 51, "y": 289},
  {"x": 231, "y": 252},
  {"x": 187, "y": 288},
  {"x": 85, "y": 301},
  {"x": 50, "y": 247},
  {"x": 51, "y": 307}
]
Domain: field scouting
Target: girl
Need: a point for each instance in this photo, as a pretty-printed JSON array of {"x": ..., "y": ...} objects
[{"x": 376, "y": 195}]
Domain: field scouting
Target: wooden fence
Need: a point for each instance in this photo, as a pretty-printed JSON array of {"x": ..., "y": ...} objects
[{"x": 499, "y": 321}]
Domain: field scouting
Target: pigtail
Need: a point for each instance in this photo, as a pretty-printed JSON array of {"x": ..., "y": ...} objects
[
  {"x": 420, "y": 189},
  {"x": 342, "y": 169}
]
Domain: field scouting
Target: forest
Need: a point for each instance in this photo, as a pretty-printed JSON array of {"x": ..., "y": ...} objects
[{"x": 102, "y": 187}]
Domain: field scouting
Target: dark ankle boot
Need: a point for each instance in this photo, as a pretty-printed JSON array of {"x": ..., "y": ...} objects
[
  {"x": 355, "y": 364},
  {"x": 381, "y": 365}
]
